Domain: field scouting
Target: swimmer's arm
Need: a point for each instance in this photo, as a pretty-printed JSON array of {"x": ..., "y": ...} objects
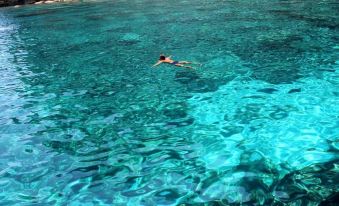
[{"x": 156, "y": 64}]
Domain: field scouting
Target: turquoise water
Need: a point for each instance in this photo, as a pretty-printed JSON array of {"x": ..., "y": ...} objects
[{"x": 85, "y": 120}]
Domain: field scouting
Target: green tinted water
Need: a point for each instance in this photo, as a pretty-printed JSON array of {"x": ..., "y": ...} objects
[{"x": 85, "y": 120}]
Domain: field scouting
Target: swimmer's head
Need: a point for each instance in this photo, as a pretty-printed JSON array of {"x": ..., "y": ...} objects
[{"x": 162, "y": 57}]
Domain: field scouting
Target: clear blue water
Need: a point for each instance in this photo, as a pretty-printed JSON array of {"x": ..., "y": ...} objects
[{"x": 85, "y": 120}]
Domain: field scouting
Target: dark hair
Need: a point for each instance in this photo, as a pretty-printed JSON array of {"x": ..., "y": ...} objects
[{"x": 162, "y": 57}]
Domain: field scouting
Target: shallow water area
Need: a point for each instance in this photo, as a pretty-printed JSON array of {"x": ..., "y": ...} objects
[{"x": 85, "y": 120}]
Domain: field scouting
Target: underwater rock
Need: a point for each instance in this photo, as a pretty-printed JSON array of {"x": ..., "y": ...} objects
[
  {"x": 278, "y": 41},
  {"x": 318, "y": 21},
  {"x": 332, "y": 200},
  {"x": 294, "y": 90},
  {"x": 267, "y": 90},
  {"x": 183, "y": 123},
  {"x": 175, "y": 113},
  {"x": 196, "y": 84},
  {"x": 277, "y": 74},
  {"x": 278, "y": 113},
  {"x": 175, "y": 110},
  {"x": 203, "y": 85},
  {"x": 166, "y": 196},
  {"x": 185, "y": 77},
  {"x": 305, "y": 185}
]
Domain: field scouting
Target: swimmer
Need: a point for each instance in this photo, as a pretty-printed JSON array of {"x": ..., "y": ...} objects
[{"x": 168, "y": 60}]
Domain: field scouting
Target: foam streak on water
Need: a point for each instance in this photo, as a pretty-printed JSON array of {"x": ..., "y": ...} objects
[{"x": 85, "y": 120}]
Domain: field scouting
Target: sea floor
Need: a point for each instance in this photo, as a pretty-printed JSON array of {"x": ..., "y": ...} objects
[{"x": 85, "y": 120}]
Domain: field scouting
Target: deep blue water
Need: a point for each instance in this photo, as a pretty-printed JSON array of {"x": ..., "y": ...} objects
[{"x": 85, "y": 120}]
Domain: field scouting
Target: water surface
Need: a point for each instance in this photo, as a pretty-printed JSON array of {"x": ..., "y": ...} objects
[{"x": 85, "y": 120}]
